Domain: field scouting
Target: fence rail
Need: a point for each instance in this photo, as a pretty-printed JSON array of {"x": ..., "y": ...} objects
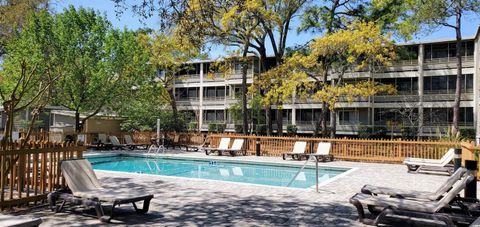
[
  {"x": 30, "y": 172},
  {"x": 389, "y": 151}
]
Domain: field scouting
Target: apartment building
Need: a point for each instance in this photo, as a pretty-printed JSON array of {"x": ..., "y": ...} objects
[{"x": 425, "y": 80}]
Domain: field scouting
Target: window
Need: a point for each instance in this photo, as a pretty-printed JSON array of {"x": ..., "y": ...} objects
[
  {"x": 220, "y": 92},
  {"x": 192, "y": 92},
  {"x": 439, "y": 50}
]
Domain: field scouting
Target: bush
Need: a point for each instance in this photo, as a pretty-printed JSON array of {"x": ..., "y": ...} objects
[
  {"x": 221, "y": 127},
  {"x": 468, "y": 133},
  {"x": 408, "y": 132},
  {"x": 366, "y": 132},
  {"x": 261, "y": 129},
  {"x": 292, "y": 130},
  {"x": 212, "y": 127},
  {"x": 216, "y": 127},
  {"x": 192, "y": 126},
  {"x": 238, "y": 128}
]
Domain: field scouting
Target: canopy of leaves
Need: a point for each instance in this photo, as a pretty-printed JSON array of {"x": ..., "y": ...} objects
[
  {"x": 29, "y": 66},
  {"x": 359, "y": 47},
  {"x": 100, "y": 63}
]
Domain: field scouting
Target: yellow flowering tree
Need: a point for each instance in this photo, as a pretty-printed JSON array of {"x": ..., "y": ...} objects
[{"x": 360, "y": 47}]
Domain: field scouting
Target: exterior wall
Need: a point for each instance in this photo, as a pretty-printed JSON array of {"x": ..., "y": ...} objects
[
  {"x": 421, "y": 70},
  {"x": 102, "y": 126}
]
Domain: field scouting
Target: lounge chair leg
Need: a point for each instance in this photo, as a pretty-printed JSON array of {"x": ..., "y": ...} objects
[
  {"x": 232, "y": 153},
  {"x": 112, "y": 211},
  {"x": 52, "y": 200},
  {"x": 146, "y": 206},
  {"x": 206, "y": 152},
  {"x": 283, "y": 156},
  {"x": 386, "y": 211},
  {"x": 361, "y": 213}
]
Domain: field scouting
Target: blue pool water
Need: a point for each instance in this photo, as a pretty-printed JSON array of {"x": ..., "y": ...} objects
[{"x": 264, "y": 174}]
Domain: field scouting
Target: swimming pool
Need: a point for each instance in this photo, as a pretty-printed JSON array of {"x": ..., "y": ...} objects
[{"x": 253, "y": 173}]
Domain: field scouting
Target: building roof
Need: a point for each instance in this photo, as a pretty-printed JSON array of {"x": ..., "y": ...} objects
[{"x": 71, "y": 113}]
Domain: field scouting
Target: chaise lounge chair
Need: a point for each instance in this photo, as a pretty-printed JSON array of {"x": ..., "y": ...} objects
[
  {"x": 323, "y": 152},
  {"x": 132, "y": 145},
  {"x": 83, "y": 183},
  {"x": 18, "y": 221},
  {"x": 177, "y": 143},
  {"x": 419, "y": 195},
  {"x": 116, "y": 143},
  {"x": 224, "y": 142},
  {"x": 419, "y": 209},
  {"x": 237, "y": 147},
  {"x": 418, "y": 165},
  {"x": 298, "y": 151}
]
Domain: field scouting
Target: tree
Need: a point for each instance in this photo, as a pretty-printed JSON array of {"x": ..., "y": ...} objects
[
  {"x": 28, "y": 69},
  {"x": 169, "y": 55},
  {"x": 432, "y": 14},
  {"x": 361, "y": 46},
  {"x": 230, "y": 23},
  {"x": 13, "y": 14},
  {"x": 101, "y": 64}
]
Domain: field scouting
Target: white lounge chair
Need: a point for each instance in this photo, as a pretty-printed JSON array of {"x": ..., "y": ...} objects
[
  {"x": 83, "y": 182},
  {"x": 417, "y": 165},
  {"x": 18, "y": 221},
  {"x": 237, "y": 147},
  {"x": 224, "y": 142},
  {"x": 297, "y": 152},
  {"x": 323, "y": 152}
]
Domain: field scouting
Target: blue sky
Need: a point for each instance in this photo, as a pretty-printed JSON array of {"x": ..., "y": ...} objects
[{"x": 127, "y": 19}]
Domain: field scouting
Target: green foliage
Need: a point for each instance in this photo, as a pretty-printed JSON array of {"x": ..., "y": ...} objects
[
  {"x": 238, "y": 128},
  {"x": 408, "y": 132},
  {"x": 192, "y": 126},
  {"x": 216, "y": 127},
  {"x": 100, "y": 64},
  {"x": 292, "y": 130},
  {"x": 261, "y": 129},
  {"x": 369, "y": 132},
  {"x": 149, "y": 123},
  {"x": 468, "y": 133},
  {"x": 25, "y": 124}
]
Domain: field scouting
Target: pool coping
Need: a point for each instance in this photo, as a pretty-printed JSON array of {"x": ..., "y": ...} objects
[{"x": 310, "y": 165}]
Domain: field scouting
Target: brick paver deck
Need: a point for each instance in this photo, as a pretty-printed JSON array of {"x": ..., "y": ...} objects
[{"x": 196, "y": 202}]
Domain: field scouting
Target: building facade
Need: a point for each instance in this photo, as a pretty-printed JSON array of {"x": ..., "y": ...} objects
[{"x": 424, "y": 78}]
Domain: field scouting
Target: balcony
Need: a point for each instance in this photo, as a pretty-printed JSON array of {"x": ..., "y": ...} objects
[
  {"x": 191, "y": 78},
  {"x": 186, "y": 101},
  {"x": 448, "y": 63}
]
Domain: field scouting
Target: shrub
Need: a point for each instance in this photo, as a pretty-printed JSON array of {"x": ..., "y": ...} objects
[
  {"x": 468, "y": 133},
  {"x": 212, "y": 127},
  {"x": 221, "y": 127},
  {"x": 238, "y": 128},
  {"x": 192, "y": 126},
  {"x": 261, "y": 129},
  {"x": 408, "y": 132},
  {"x": 292, "y": 130}
]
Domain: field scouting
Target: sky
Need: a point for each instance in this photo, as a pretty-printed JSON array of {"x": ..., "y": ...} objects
[{"x": 131, "y": 21}]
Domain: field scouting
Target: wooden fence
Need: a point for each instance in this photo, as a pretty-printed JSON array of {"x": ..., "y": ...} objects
[
  {"x": 30, "y": 172},
  {"x": 388, "y": 151}
]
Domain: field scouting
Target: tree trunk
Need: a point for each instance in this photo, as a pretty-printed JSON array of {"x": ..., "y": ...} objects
[
  {"x": 458, "y": 87},
  {"x": 322, "y": 122},
  {"x": 268, "y": 119},
  {"x": 173, "y": 105},
  {"x": 78, "y": 126},
  {"x": 244, "y": 89},
  {"x": 333, "y": 123},
  {"x": 9, "y": 112},
  {"x": 279, "y": 120}
]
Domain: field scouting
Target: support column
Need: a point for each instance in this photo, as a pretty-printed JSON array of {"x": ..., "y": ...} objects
[
  {"x": 200, "y": 101},
  {"x": 420, "y": 88},
  {"x": 476, "y": 87}
]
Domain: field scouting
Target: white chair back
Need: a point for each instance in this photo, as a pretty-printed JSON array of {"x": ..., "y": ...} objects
[
  {"x": 323, "y": 148},
  {"x": 448, "y": 157},
  {"x": 299, "y": 147},
  {"x": 224, "y": 142},
  {"x": 102, "y": 138},
  {"x": 128, "y": 139},
  {"x": 237, "y": 144}
]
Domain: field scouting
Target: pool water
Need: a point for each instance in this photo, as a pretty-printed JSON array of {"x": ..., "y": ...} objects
[{"x": 253, "y": 173}]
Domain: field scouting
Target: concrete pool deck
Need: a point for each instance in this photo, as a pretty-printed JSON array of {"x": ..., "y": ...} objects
[{"x": 197, "y": 202}]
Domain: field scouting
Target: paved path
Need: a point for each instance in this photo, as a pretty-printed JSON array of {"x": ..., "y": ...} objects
[{"x": 194, "y": 202}]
